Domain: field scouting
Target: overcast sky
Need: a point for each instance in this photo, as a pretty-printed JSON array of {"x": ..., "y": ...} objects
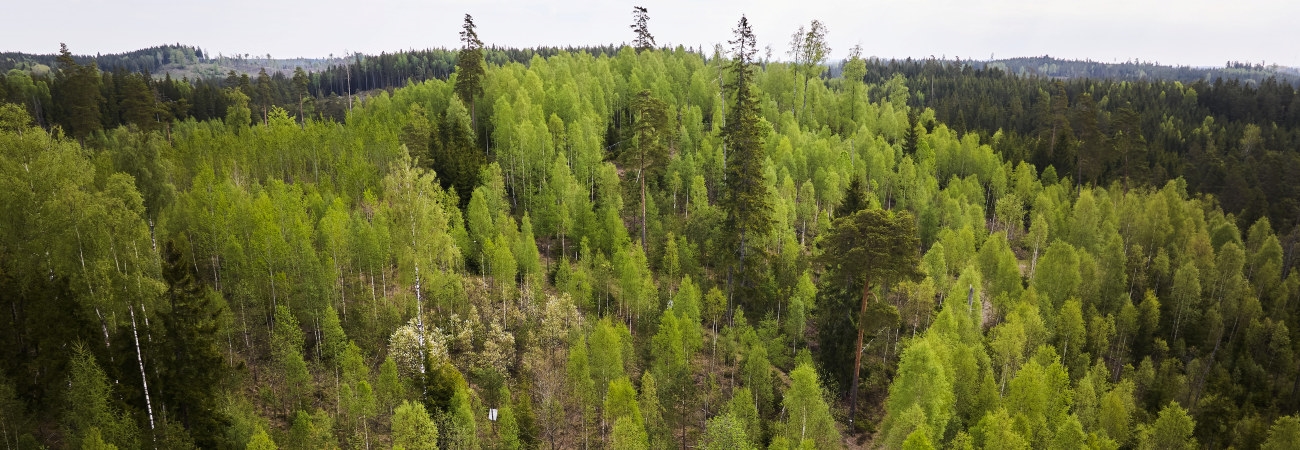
[{"x": 1187, "y": 32}]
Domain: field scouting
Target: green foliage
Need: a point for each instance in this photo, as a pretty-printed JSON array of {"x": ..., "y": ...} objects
[
  {"x": 311, "y": 431},
  {"x": 808, "y": 415},
  {"x": 628, "y": 433},
  {"x": 469, "y": 63},
  {"x": 261, "y": 441},
  {"x": 90, "y": 413},
  {"x": 458, "y": 162},
  {"x": 1172, "y": 430},
  {"x": 413, "y": 429},
  {"x": 747, "y": 203},
  {"x": 923, "y": 388},
  {"x": 872, "y": 245},
  {"x": 233, "y": 240},
  {"x": 1285, "y": 433},
  {"x": 725, "y": 432}
]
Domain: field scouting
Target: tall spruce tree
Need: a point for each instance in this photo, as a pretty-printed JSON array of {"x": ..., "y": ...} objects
[
  {"x": 747, "y": 201},
  {"x": 193, "y": 370},
  {"x": 79, "y": 97}
]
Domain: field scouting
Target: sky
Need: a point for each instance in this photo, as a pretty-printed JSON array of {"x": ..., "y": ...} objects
[{"x": 1186, "y": 32}]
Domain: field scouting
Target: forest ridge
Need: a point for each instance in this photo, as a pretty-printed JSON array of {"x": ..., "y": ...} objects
[{"x": 640, "y": 247}]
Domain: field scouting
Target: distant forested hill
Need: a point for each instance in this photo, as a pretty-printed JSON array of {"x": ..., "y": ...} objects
[{"x": 1046, "y": 66}]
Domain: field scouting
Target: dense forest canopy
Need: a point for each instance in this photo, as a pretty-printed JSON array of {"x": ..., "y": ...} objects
[{"x": 641, "y": 247}]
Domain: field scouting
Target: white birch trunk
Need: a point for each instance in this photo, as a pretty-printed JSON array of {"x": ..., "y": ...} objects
[{"x": 144, "y": 381}]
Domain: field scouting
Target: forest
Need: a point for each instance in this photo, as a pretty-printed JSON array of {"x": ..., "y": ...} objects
[{"x": 640, "y": 247}]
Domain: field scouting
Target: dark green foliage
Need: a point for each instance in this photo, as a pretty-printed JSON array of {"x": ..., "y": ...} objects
[
  {"x": 193, "y": 370},
  {"x": 469, "y": 67},
  {"x": 78, "y": 102},
  {"x": 746, "y": 202},
  {"x": 458, "y": 161},
  {"x": 641, "y": 26}
]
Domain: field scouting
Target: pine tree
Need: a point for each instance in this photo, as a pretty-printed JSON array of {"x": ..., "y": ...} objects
[
  {"x": 469, "y": 68},
  {"x": 300, "y": 84},
  {"x": 869, "y": 246},
  {"x": 640, "y": 25}
]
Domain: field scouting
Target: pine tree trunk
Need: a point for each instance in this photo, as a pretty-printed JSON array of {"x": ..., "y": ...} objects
[
  {"x": 857, "y": 355},
  {"x": 641, "y": 176}
]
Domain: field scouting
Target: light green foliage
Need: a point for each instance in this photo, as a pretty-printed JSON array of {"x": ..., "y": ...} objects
[
  {"x": 725, "y": 432},
  {"x": 507, "y": 425},
  {"x": 656, "y": 427},
  {"x": 1008, "y": 346},
  {"x": 628, "y": 434},
  {"x": 621, "y": 182},
  {"x": 1010, "y": 213},
  {"x": 686, "y": 308},
  {"x": 94, "y": 441},
  {"x": 742, "y": 409},
  {"x": 620, "y": 402},
  {"x": 311, "y": 431},
  {"x": 997, "y": 431},
  {"x": 1186, "y": 296},
  {"x": 1172, "y": 429},
  {"x": 715, "y": 305},
  {"x": 606, "y": 355},
  {"x": 923, "y": 382},
  {"x": 670, "y": 361},
  {"x": 1070, "y": 332},
  {"x": 756, "y": 374},
  {"x": 90, "y": 413},
  {"x": 1057, "y": 276},
  {"x": 1068, "y": 435},
  {"x": 389, "y": 388},
  {"x": 802, "y": 300},
  {"x": 286, "y": 350},
  {"x": 809, "y": 416},
  {"x": 918, "y": 440},
  {"x": 413, "y": 429},
  {"x": 1116, "y": 415},
  {"x": 333, "y": 340},
  {"x": 462, "y": 430},
  {"x": 1284, "y": 434},
  {"x": 935, "y": 262},
  {"x": 529, "y": 259},
  {"x": 636, "y": 289},
  {"x": 238, "y": 115},
  {"x": 261, "y": 441},
  {"x": 999, "y": 267},
  {"x": 579, "y": 384},
  {"x": 1039, "y": 397}
]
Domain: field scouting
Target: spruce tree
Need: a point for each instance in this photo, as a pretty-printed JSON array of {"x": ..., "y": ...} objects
[
  {"x": 193, "y": 369},
  {"x": 79, "y": 97},
  {"x": 747, "y": 202}
]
